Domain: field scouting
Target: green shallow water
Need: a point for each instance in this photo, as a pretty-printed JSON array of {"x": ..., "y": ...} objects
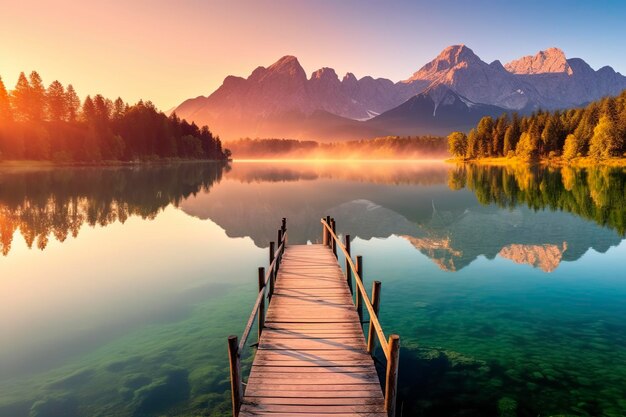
[{"x": 119, "y": 286}]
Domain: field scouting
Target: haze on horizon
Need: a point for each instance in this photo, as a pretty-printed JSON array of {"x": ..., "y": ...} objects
[{"x": 167, "y": 52}]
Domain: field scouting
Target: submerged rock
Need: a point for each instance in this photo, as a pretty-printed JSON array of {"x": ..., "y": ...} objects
[
  {"x": 54, "y": 406},
  {"x": 507, "y": 407},
  {"x": 163, "y": 393}
]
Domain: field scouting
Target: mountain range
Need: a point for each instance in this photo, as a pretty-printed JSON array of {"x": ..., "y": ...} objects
[{"x": 451, "y": 92}]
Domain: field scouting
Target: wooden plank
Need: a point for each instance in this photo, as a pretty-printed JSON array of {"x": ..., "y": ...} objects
[
  {"x": 301, "y": 409},
  {"x": 330, "y": 394},
  {"x": 257, "y": 400},
  {"x": 312, "y": 356}
]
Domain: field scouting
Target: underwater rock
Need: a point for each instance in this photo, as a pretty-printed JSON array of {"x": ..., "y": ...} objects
[
  {"x": 73, "y": 380},
  {"x": 54, "y": 406},
  {"x": 164, "y": 392},
  {"x": 507, "y": 407},
  {"x": 123, "y": 364}
]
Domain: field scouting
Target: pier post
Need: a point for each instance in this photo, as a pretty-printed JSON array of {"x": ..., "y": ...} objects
[
  {"x": 262, "y": 305},
  {"x": 324, "y": 235},
  {"x": 359, "y": 297},
  {"x": 235, "y": 374},
  {"x": 272, "y": 272},
  {"x": 283, "y": 226},
  {"x": 348, "y": 269},
  {"x": 328, "y": 238},
  {"x": 371, "y": 338},
  {"x": 333, "y": 241},
  {"x": 278, "y": 243},
  {"x": 391, "y": 381}
]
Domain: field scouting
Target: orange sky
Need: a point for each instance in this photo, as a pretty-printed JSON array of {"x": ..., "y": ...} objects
[{"x": 167, "y": 51}]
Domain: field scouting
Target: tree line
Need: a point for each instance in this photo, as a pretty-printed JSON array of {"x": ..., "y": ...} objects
[
  {"x": 54, "y": 124},
  {"x": 597, "y": 131},
  {"x": 388, "y": 147}
]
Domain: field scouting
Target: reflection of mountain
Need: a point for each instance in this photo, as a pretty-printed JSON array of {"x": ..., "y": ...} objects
[
  {"x": 542, "y": 239},
  {"x": 59, "y": 201},
  {"x": 368, "y": 200},
  {"x": 451, "y": 228},
  {"x": 546, "y": 257}
]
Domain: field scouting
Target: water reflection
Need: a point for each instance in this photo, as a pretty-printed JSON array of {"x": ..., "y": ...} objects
[
  {"x": 57, "y": 202},
  {"x": 452, "y": 229},
  {"x": 103, "y": 324}
]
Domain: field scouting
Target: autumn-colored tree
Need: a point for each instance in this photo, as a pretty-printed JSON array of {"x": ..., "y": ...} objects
[
  {"x": 572, "y": 148},
  {"x": 606, "y": 141},
  {"x": 457, "y": 144},
  {"x": 472, "y": 145}
]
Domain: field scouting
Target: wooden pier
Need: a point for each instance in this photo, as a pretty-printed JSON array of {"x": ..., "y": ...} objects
[{"x": 312, "y": 358}]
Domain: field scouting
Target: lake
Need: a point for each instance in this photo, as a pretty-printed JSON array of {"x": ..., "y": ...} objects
[{"x": 119, "y": 286}]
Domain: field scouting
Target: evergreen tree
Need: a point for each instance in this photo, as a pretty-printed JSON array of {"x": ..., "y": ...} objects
[
  {"x": 55, "y": 102},
  {"x": 37, "y": 101},
  {"x": 472, "y": 145},
  {"x": 20, "y": 98},
  {"x": 511, "y": 136},
  {"x": 89, "y": 110},
  {"x": 6, "y": 113},
  {"x": 72, "y": 103},
  {"x": 119, "y": 107},
  {"x": 551, "y": 134}
]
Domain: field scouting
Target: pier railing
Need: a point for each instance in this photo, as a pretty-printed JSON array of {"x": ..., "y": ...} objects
[
  {"x": 391, "y": 346},
  {"x": 266, "y": 289}
]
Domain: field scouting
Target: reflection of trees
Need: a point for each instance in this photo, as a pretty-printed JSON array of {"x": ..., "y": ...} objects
[
  {"x": 58, "y": 202},
  {"x": 596, "y": 193}
]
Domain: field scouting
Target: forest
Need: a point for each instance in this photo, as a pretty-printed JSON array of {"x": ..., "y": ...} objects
[
  {"x": 388, "y": 147},
  {"x": 38, "y": 123},
  {"x": 597, "y": 131}
]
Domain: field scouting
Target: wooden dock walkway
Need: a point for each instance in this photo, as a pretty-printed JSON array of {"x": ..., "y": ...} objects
[{"x": 312, "y": 358}]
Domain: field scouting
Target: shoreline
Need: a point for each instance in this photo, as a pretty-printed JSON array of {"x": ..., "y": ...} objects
[
  {"x": 30, "y": 163},
  {"x": 582, "y": 162}
]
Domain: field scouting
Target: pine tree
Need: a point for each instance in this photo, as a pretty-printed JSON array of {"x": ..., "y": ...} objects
[
  {"x": 37, "y": 100},
  {"x": 119, "y": 107},
  {"x": 20, "y": 98},
  {"x": 550, "y": 136},
  {"x": 89, "y": 110},
  {"x": 511, "y": 136},
  {"x": 72, "y": 103},
  {"x": 6, "y": 113},
  {"x": 472, "y": 145},
  {"x": 55, "y": 102}
]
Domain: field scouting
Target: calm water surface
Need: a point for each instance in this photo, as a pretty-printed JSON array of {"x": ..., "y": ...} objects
[{"x": 119, "y": 286}]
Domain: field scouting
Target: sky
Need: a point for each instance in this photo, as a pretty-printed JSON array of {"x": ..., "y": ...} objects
[{"x": 168, "y": 51}]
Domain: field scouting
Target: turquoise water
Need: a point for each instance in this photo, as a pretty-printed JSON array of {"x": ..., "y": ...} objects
[{"x": 119, "y": 286}]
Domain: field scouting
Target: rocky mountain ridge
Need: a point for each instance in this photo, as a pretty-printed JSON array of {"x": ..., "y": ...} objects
[{"x": 274, "y": 100}]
